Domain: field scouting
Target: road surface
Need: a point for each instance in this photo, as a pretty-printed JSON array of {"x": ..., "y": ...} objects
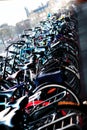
[{"x": 82, "y": 19}]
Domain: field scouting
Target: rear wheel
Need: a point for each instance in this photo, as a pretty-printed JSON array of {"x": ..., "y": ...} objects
[{"x": 54, "y": 90}]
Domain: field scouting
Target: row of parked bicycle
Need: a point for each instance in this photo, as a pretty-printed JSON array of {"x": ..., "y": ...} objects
[{"x": 40, "y": 81}]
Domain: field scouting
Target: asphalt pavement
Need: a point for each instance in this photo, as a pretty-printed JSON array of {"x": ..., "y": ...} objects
[{"x": 82, "y": 22}]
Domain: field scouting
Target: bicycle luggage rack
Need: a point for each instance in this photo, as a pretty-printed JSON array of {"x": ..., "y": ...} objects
[{"x": 67, "y": 122}]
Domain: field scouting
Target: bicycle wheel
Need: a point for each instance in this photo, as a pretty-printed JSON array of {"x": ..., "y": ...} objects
[
  {"x": 67, "y": 57},
  {"x": 51, "y": 90},
  {"x": 72, "y": 79},
  {"x": 59, "y": 74}
]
